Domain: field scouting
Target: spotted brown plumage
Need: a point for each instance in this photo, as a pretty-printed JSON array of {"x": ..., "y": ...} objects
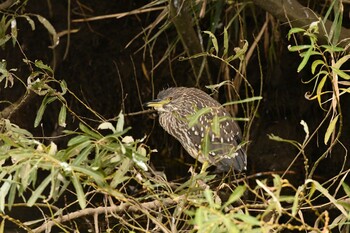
[{"x": 214, "y": 130}]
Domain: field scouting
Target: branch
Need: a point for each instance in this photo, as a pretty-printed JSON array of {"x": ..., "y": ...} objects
[
  {"x": 6, "y": 4},
  {"x": 123, "y": 207},
  {"x": 297, "y": 15},
  {"x": 179, "y": 12}
]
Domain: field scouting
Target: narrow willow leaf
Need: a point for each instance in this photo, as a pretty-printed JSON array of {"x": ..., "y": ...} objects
[
  {"x": 341, "y": 73},
  {"x": 62, "y": 116},
  {"x": 63, "y": 86},
  {"x": 107, "y": 125},
  {"x": 235, "y": 195},
  {"x": 330, "y": 129},
  {"x": 315, "y": 64},
  {"x": 305, "y": 60},
  {"x": 39, "y": 190},
  {"x": 213, "y": 40},
  {"x": 206, "y": 144},
  {"x": 247, "y": 100},
  {"x": 140, "y": 160},
  {"x": 341, "y": 61},
  {"x": 215, "y": 126},
  {"x": 14, "y": 31},
  {"x": 47, "y": 100},
  {"x": 91, "y": 173},
  {"x": 120, "y": 123},
  {"x": 41, "y": 65},
  {"x": 319, "y": 89},
  {"x": 295, "y": 30},
  {"x": 346, "y": 189},
  {"x": 79, "y": 190},
  {"x": 330, "y": 197},
  {"x": 240, "y": 52},
  {"x": 208, "y": 194},
  {"x": 295, "y": 205},
  {"x": 194, "y": 118},
  {"x": 76, "y": 149},
  {"x": 77, "y": 140},
  {"x": 296, "y": 48},
  {"x": 82, "y": 156},
  {"x": 30, "y": 21},
  {"x": 119, "y": 175},
  {"x": 4, "y": 39},
  {"x": 253, "y": 221},
  {"x": 273, "y": 196},
  {"x": 4, "y": 191},
  {"x": 50, "y": 29},
  {"x": 89, "y": 132},
  {"x": 225, "y": 42}
]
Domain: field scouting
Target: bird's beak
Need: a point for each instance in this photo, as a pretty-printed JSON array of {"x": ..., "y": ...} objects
[{"x": 156, "y": 103}]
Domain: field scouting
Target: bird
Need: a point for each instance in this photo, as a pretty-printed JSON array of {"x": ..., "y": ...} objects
[{"x": 205, "y": 129}]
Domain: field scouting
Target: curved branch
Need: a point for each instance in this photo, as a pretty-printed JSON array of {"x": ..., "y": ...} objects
[
  {"x": 6, "y": 4},
  {"x": 297, "y": 15},
  {"x": 123, "y": 207}
]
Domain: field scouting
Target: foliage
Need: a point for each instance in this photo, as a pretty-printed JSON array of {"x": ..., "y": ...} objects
[{"x": 102, "y": 174}]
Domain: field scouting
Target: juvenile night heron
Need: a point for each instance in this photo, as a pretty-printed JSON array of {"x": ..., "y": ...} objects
[{"x": 213, "y": 137}]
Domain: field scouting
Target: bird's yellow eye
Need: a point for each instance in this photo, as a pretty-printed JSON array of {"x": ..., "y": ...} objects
[{"x": 170, "y": 98}]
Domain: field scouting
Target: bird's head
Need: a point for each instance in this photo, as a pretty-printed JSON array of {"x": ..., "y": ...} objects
[{"x": 167, "y": 100}]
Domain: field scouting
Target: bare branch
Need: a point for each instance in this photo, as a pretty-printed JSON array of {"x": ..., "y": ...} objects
[
  {"x": 297, "y": 15},
  {"x": 123, "y": 207}
]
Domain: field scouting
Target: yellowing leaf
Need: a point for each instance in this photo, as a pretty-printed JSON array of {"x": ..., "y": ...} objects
[{"x": 330, "y": 129}]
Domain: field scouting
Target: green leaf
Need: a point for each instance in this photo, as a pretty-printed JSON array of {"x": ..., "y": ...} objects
[
  {"x": 47, "y": 100},
  {"x": 194, "y": 118},
  {"x": 119, "y": 175},
  {"x": 63, "y": 86},
  {"x": 305, "y": 59},
  {"x": 205, "y": 144},
  {"x": 50, "y": 29},
  {"x": 235, "y": 195},
  {"x": 89, "y": 132},
  {"x": 30, "y": 21},
  {"x": 215, "y": 126},
  {"x": 4, "y": 39},
  {"x": 39, "y": 190},
  {"x": 82, "y": 156},
  {"x": 346, "y": 189},
  {"x": 62, "y": 116},
  {"x": 332, "y": 48},
  {"x": 330, "y": 197},
  {"x": 99, "y": 179},
  {"x": 41, "y": 65},
  {"x": 298, "y": 47},
  {"x": 77, "y": 140},
  {"x": 77, "y": 148},
  {"x": 213, "y": 40},
  {"x": 319, "y": 89},
  {"x": 315, "y": 64},
  {"x": 79, "y": 190},
  {"x": 295, "y": 30},
  {"x": 341, "y": 61},
  {"x": 4, "y": 191},
  {"x": 341, "y": 73},
  {"x": 240, "y": 52},
  {"x": 247, "y": 219},
  {"x": 330, "y": 129},
  {"x": 295, "y": 205},
  {"x": 225, "y": 42}
]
